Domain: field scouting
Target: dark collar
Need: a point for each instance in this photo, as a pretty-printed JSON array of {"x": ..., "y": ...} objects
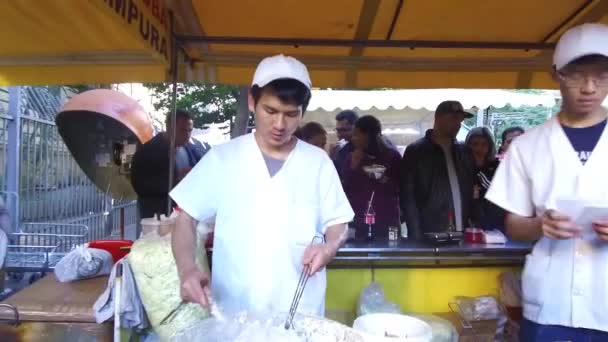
[{"x": 429, "y": 137}]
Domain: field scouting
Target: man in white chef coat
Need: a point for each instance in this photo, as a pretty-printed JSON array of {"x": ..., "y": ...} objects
[
  {"x": 271, "y": 194},
  {"x": 547, "y": 173}
]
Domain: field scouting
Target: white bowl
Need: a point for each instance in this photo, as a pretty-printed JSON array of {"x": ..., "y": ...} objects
[{"x": 409, "y": 329}]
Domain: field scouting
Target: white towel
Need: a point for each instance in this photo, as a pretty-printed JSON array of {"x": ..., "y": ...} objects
[
  {"x": 132, "y": 312},
  {"x": 3, "y": 247}
]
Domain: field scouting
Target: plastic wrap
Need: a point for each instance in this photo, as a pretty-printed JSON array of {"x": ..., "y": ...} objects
[
  {"x": 83, "y": 263},
  {"x": 372, "y": 300},
  {"x": 263, "y": 328},
  {"x": 481, "y": 309},
  {"x": 511, "y": 298},
  {"x": 155, "y": 271},
  {"x": 510, "y": 289}
]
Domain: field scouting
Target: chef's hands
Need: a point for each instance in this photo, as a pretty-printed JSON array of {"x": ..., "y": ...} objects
[
  {"x": 601, "y": 229},
  {"x": 194, "y": 287},
  {"x": 559, "y": 226},
  {"x": 318, "y": 256}
]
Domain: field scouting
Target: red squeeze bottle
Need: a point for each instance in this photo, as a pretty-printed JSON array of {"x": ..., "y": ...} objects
[{"x": 451, "y": 227}]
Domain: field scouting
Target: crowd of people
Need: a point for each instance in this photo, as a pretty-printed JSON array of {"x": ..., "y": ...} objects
[{"x": 437, "y": 183}]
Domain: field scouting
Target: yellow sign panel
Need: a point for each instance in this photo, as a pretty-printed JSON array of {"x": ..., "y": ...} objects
[{"x": 147, "y": 19}]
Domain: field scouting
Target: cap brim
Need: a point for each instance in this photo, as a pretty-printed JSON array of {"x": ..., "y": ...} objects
[
  {"x": 577, "y": 57},
  {"x": 264, "y": 82},
  {"x": 467, "y": 114}
]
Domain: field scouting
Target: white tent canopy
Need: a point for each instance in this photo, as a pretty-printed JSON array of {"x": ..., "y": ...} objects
[
  {"x": 330, "y": 100},
  {"x": 407, "y": 114}
]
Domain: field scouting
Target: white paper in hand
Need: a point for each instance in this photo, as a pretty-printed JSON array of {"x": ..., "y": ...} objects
[{"x": 583, "y": 214}]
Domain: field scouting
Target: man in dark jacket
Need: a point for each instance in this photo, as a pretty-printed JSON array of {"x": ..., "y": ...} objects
[
  {"x": 437, "y": 176},
  {"x": 150, "y": 166}
]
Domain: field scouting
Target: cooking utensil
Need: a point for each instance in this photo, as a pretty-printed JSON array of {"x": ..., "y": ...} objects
[
  {"x": 213, "y": 310},
  {"x": 442, "y": 238},
  {"x": 300, "y": 288},
  {"x": 298, "y": 295},
  {"x": 171, "y": 314}
]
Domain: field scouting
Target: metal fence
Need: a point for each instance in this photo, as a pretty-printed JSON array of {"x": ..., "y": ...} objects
[{"x": 52, "y": 188}]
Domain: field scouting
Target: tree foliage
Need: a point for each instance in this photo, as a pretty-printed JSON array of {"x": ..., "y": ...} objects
[
  {"x": 208, "y": 103},
  {"x": 499, "y": 119},
  {"x": 79, "y": 88}
]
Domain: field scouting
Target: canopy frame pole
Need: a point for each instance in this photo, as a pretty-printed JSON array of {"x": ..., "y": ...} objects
[
  {"x": 363, "y": 43},
  {"x": 174, "y": 74}
]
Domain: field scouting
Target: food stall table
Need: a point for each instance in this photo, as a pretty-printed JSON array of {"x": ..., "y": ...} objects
[
  {"x": 419, "y": 277},
  {"x": 53, "y": 311}
]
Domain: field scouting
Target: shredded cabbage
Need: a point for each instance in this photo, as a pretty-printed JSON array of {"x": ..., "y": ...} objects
[
  {"x": 157, "y": 280},
  {"x": 255, "y": 328}
]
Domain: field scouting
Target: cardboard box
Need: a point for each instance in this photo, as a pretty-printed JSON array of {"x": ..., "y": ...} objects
[{"x": 481, "y": 331}]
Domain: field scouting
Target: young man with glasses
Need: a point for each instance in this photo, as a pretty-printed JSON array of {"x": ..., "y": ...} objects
[
  {"x": 345, "y": 124},
  {"x": 547, "y": 172}
]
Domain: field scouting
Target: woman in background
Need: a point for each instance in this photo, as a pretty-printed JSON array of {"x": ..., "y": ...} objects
[
  {"x": 313, "y": 133},
  {"x": 371, "y": 153},
  {"x": 483, "y": 149}
]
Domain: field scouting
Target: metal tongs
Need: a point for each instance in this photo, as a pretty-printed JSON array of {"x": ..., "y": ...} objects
[
  {"x": 299, "y": 289},
  {"x": 213, "y": 310}
]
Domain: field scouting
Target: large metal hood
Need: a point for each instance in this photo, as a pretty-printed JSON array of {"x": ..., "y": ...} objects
[{"x": 102, "y": 129}]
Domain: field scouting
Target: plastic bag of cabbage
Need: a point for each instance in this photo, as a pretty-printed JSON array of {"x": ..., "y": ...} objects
[
  {"x": 157, "y": 280},
  {"x": 83, "y": 263}
]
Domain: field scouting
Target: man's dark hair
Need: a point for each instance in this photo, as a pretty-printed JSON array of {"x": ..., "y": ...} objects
[
  {"x": 287, "y": 90},
  {"x": 371, "y": 126},
  {"x": 589, "y": 59},
  {"x": 309, "y": 131},
  {"x": 180, "y": 114},
  {"x": 349, "y": 115},
  {"x": 514, "y": 129}
]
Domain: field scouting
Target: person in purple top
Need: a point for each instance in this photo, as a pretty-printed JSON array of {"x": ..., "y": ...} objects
[{"x": 370, "y": 149}]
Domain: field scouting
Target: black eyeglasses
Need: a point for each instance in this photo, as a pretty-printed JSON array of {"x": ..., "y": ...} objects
[{"x": 579, "y": 79}]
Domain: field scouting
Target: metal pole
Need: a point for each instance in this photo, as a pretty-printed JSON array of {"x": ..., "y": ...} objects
[
  {"x": 480, "y": 112},
  {"x": 122, "y": 223},
  {"x": 14, "y": 151},
  {"x": 363, "y": 43},
  {"x": 174, "y": 56}
]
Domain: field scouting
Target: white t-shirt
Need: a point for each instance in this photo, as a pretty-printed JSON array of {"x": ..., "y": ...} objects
[{"x": 264, "y": 223}]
